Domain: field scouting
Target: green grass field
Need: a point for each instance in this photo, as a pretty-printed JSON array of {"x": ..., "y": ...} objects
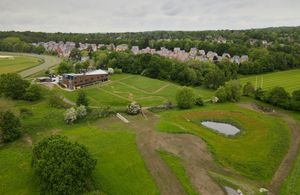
[
  {"x": 256, "y": 152},
  {"x": 124, "y": 88},
  {"x": 290, "y": 80},
  {"x": 18, "y": 63},
  {"x": 120, "y": 168}
]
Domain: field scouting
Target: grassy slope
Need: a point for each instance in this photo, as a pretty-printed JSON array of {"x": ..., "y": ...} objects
[
  {"x": 290, "y": 80},
  {"x": 175, "y": 164},
  {"x": 256, "y": 152},
  {"x": 124, "y": 88},
  {"x": 18, "y": 64},
  {"x": 291, "y": 184},
  {"x": 120, "y": 168}
]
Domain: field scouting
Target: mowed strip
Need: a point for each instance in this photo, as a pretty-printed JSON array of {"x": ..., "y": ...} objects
[{"x": 290, "y": 80}]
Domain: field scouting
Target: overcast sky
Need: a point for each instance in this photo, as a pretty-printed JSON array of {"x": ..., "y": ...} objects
[{"x": 145, "y": 15}]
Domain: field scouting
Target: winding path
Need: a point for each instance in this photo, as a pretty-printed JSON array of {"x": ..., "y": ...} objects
[{"x": 191, "y": 149}]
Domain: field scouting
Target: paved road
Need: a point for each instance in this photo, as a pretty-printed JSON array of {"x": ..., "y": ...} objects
[{"x": 49, "y": 62}]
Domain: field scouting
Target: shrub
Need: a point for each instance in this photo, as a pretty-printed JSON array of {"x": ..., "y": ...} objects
[
  {"x": 133, "y": 108},
  {"x": 70, "y": 115},
  {"x": 81, "y": 111},
  {"x": 233, "y": 90},
  {"x": 185, "y": 98},
  {"x": 13, "y": 86},
  {"x": 63, "y": 167},
  {"x": 260, "y": 94},
  {"x": 278, "y": 96},
  {"x": 10, "y": 126},
  {"x": 82, "y": 99},
  {"x": 33, "y": 93},
  {"x": 295, "y": 101},
  {"x": 230, "y": 92},
  {"x": 199, "y": 101},
  {"x": 248, "y": 89},
  {"x": 221, "y": 94}
]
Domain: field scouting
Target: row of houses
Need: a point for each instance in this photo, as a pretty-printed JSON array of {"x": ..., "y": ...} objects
[
  {"x": 64, "y": 50},
  {"x": 194, "y": 53}
]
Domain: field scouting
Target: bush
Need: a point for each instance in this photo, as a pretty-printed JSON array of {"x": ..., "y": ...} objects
[
  {"x": 278, "y": 96},
  {"x": 248, "y": 89},
  {"x": 233, "y": 90},
  {"x": 33, "y": 93},
  {"x": 295, "y": 101},
  {"x": 13, "y": 86},
  {"x": 260, "y": 94},
  {"x": 199, "y": 101},
  {"x": 81, "y": 111},
  {"x": 63, "y": 167},
  {"x": 221, "y": 94},
  {"x": 10, "y": 126},
  {"x": 185, "y": 98},
  {"x": 133, "y": 108},
  {"x": 70, "y": 116},
  {"x": 230, "y": 92},
  {"x": 82, "y": 99}
]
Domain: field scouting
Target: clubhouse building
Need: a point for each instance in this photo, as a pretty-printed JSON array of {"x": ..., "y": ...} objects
[{"x": 75, "y": 81}]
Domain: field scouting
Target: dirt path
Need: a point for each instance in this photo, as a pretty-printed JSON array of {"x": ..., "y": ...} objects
[
  {"x": 286, "y": 164},
  {"x": 193, "y": 151}
]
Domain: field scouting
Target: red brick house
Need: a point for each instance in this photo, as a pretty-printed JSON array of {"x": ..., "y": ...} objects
[{"x": 75, "y": 81}]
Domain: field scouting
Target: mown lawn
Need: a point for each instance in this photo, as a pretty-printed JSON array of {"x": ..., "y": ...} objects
[
  {"x": 120, "y": 168},
  {"x": 290, "y": 80},
  {"x": 124, "y": 88},
  {"x": 256, "y": 152},
  {"x": 18, "y": 63}
]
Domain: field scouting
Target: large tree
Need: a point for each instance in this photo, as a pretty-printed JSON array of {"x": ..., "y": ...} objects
[{"x": 63, "y": 167}]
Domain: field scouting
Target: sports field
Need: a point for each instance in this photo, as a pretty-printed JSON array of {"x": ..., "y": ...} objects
[
  {"x": 290, "y": 80},
  {"x": 10, "y": 64},
  {"x": 125, "y": 88}
]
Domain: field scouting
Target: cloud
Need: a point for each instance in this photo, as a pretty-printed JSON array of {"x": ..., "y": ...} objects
[{"x": 142, "y": 15}]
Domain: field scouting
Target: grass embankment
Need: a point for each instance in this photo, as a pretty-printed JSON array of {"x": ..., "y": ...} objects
[
  {"x": 289, "y": 79},
  {"x": 175, "y": 165},
  {"x": 18, "y": 63},
  {"x": 124, "y": 88},
  {"x": 291, "y": 183},
  {"x": 256, "y": 152},
  {"x": 120, "y": 168}
]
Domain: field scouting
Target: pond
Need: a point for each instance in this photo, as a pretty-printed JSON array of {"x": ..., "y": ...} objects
[{"x": 223, "y": 128}]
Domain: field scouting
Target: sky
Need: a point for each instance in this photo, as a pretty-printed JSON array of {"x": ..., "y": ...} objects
[{"x": 91, "y": 16}]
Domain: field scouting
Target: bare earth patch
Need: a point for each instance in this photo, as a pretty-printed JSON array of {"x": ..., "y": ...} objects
[{"x": 197, "y": 160}]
